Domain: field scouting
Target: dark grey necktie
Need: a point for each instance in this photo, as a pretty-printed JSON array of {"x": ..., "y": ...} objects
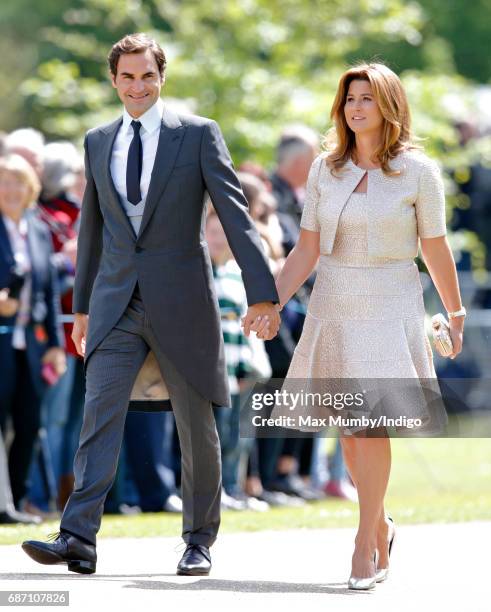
[{"x": 134, "y": 165}]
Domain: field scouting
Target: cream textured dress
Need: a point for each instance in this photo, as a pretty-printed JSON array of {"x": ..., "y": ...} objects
[{"x": 365, "y": 318}]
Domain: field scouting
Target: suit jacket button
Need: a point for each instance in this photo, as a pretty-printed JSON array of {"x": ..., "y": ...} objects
[{"x": 138, "y": 249}]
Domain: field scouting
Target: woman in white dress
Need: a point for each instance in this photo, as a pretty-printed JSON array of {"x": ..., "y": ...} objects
[{"x": 370, "y": 201}]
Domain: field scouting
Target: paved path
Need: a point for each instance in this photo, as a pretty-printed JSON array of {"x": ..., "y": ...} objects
[{"x": 434, "y": 567}]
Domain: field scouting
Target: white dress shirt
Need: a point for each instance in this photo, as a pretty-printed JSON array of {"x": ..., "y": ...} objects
[
  {"x": 149, "y": 134},
  {"x": 18, "y": 242}
]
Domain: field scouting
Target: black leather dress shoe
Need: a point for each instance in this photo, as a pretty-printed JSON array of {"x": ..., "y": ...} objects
[
  {"x": 196, "y": 561},
  {"x": 65, "y": 548}
]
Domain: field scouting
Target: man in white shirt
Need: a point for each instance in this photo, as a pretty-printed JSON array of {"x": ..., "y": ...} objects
[
  {"x": 149, "y": 134},
  {"x": 144, "y": 282}
]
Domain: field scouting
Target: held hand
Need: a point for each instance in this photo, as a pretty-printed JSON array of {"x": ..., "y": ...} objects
[
  {"x": 79, "y": 332},
  {"x": 264, "y": 319},
  {"x": 57, "y": 358},
  {"x": 457, "y": 335},
  {"x": 8, "y": 306}
]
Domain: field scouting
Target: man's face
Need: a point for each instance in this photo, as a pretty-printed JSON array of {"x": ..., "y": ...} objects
[
  {"x": 137, "y": 82},
  {"x": 296, "y": 169},
  {"x": 304, "y": 162}
]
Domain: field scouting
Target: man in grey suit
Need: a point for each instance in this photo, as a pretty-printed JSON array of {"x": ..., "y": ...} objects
[{"x": 144, "y": 283}]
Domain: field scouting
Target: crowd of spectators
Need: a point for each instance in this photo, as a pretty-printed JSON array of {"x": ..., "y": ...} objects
[{"x": 42, "y": 384}]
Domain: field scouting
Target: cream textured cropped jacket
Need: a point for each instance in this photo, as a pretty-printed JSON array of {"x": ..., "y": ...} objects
[{"x": 400, "y": 208}]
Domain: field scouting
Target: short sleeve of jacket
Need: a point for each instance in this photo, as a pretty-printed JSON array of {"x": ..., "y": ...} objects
[
  {"x": 309, "y": 219},
  {"x": 430, "y": 202}
]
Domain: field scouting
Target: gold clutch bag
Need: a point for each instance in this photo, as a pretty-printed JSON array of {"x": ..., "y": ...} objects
[{"x": 441, "y": 335}]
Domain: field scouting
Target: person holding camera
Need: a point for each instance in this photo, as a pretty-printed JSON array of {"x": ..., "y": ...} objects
[{"x": 31, "y": 338}]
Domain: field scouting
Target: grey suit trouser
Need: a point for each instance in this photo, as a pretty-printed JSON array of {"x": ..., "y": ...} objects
[{"x": 111, "y": 372}]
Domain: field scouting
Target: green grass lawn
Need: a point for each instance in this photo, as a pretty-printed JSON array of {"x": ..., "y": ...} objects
[{"x": 433, "y": 480}]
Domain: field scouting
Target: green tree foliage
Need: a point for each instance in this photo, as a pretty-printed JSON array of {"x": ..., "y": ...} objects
[{"x": 253, "y": 65}]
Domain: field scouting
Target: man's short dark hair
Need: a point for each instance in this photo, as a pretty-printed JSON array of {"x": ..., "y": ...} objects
[{"x": 136, "y": 43}]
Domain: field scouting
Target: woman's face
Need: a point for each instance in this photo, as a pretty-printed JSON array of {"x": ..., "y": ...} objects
[
  {"x": 361, "y": 110},
  {"x": 14, "y": 194}
]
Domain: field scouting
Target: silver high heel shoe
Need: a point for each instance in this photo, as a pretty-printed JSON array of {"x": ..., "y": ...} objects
[
  {"x": 382, "y": 574},
  {"x": 364, "y": 584}
]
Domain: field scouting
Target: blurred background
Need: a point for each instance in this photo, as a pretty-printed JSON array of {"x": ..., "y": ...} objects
[
  {"x": 267, "y": 71},
  {"x": 258, "y": 65}
]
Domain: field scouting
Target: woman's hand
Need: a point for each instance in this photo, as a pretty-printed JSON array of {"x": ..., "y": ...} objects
[
  {"x": 456, "y": 334},
  {"x": 441, "y": 265},
  {"x": 8, "y": 306},
  {"x": 57, "y": 358}
]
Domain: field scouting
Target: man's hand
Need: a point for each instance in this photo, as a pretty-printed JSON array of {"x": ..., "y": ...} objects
[
  {"x": 57, "y": 358},
  {"x": 8, "y": 306},
  {"x": 79, "y": 332},
  {"x": 263, "y": 318}
]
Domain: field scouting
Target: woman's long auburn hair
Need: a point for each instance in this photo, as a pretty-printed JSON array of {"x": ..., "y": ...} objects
[{"x": 392, "y": 101}]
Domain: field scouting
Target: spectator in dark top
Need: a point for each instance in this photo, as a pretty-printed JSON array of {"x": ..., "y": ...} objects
[
  {"x": 59, "y": 209},
  {"x": 31, "y": 341},
  {"x": 296, "y": 150}
]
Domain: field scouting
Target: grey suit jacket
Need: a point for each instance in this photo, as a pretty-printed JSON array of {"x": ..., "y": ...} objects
[{"x": 169, "y": 258}]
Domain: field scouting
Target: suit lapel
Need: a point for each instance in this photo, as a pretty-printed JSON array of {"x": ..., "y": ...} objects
[
  {"x": 113, "y": 198},
  {"x": 170, "y": 138}
]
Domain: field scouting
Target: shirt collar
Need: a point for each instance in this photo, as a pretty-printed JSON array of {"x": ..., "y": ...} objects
[{"x": 150, "y": 119}]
